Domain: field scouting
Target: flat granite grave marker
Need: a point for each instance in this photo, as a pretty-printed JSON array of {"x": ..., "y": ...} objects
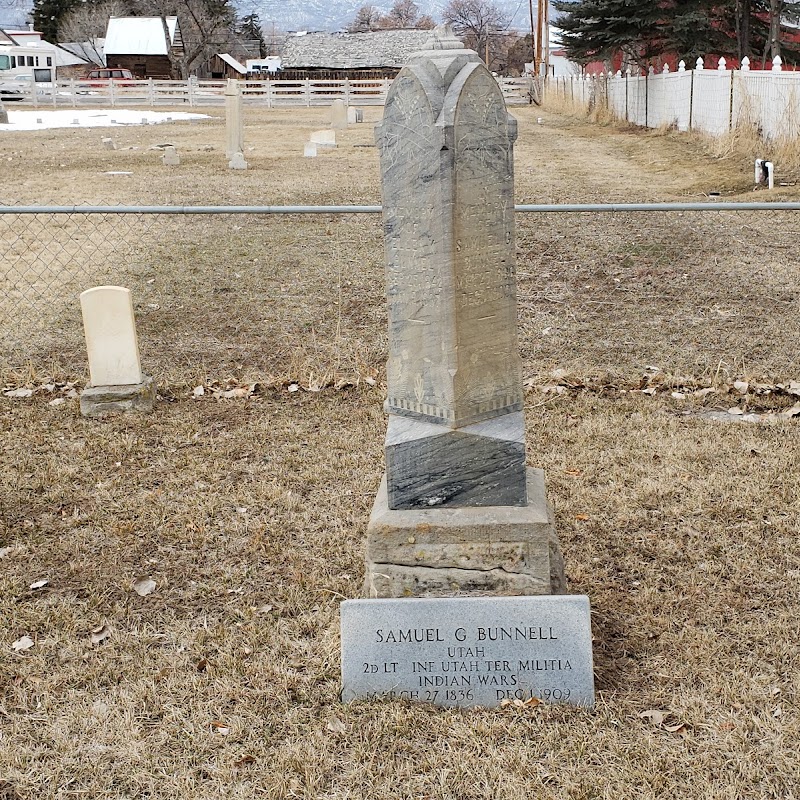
[
  {"x": 468, "y": 651},
  {"x": 326, "y": 138},
  {"x": 116, "y": 380}
]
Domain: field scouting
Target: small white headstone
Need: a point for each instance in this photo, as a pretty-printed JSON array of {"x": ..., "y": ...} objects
[
  {"x": 326, "y": 138},
  {"x": 110, "y": 330},
  {"x": 338, "y": 115},
  {"x": 170, "y": 157},
  {"x": 109, "y": 143},
  {"x": 310, "y": 150},
  {"x": 354, "y": 115},
  {"x": 237, "y": 161}
]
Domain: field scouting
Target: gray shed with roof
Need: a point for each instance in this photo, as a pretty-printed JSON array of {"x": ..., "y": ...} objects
[{"x": 379, "y": 54}]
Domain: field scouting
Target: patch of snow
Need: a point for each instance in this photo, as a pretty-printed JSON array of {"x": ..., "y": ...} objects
[{"x": 113, "y": 118}]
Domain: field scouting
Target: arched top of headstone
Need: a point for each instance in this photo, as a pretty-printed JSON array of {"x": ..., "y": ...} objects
[
  {"x": 110, "y": 331},
  {"x": 443, "y": 37}
]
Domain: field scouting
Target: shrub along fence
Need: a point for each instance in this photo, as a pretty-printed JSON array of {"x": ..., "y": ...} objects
[{"x": 714, "y": 101}]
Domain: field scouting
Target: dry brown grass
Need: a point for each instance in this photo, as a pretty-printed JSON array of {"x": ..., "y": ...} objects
[{"x": 683, "y": 532}]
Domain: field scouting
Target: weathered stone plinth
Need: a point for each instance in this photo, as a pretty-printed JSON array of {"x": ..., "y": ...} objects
[
  {"x": 496, "y": 550},
  {"x": 429, "y": 465},
  {"x": 103, "y": 401}
]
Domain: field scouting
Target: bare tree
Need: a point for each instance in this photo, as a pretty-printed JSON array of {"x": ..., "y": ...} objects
[
  {"x": 86, "y": 25},
  {"x": 481, "y": 25},
  {"x": 404, "y": 14},
  {"x": 367, "y": 18},
  {"x": 206, "y": 28}
]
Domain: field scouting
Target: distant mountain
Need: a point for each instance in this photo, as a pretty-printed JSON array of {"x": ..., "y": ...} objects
[
  {"x": 304, "y": 15},
  {"x": 334, "y": 15},
  {"x": 13, "y": 13}
]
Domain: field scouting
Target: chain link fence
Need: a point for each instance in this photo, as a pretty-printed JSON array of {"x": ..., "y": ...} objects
[{"x": 300, "y": 296}]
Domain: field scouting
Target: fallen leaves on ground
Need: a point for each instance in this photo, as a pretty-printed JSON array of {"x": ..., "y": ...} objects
[
  {"x": 336, "y": 726},
  {"x": 144, "y": 586},
  {"x": 22, "y": 644},
  {"x": 100, "y": 634},
  {"x": 659, "y": 719}
]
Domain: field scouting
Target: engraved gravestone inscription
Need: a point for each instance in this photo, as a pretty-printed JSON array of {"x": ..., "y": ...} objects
[{"x": 468, "y": 651}]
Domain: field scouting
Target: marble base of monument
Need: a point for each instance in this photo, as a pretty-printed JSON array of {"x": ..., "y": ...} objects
[
  {"x": 102, "y": 401},
  {"x": 430, "y": 465},
  {"x": 494, "y": 550}
]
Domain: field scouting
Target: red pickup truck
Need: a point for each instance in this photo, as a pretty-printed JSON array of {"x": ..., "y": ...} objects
[{"x": 106, "y": 75}]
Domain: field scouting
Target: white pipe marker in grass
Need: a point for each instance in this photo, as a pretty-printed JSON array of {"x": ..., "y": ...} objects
[
  {"x": 769, "y": 168},
  {"x": 116, "y": 380}
]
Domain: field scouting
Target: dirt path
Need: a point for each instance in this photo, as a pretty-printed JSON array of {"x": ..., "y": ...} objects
[{"x": 567, "y": 160}]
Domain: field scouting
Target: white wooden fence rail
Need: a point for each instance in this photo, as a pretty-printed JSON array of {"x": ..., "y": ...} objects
[
  {"x": 714, "y": 101},
  {"x": 271, "y": 94}
]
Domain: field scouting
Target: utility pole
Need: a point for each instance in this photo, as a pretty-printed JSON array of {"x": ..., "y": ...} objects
[
  {"x": 547, "y": 38},
  {"x": 539, "y": 26},
  {"x": 533, "y": 38}
]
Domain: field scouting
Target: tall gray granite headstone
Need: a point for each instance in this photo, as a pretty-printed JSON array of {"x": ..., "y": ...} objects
[{"x": 458, "y": 510}]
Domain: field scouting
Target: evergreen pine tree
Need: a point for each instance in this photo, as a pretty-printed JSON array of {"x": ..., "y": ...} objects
[
  {"x": 47, "y": 14},
  {"x": 250, "y": 28}
]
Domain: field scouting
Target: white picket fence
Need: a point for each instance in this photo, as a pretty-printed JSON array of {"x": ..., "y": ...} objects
[
  {"x": 714, "y": 101},
  {"x": 272, "y": 94}
]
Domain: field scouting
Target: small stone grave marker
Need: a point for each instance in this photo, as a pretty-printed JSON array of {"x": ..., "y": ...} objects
[
  {"x": 117, "y": 383},
  {"x": 338, "y": 115},
  {"x": 108, "y": 143},
  {"x": 310, "y": 150},
  {"x": 468, "y": 652},
  {"x": 354, "y": 115},
  {"x": 237, "y": 161},
  {"x": 170, "y": 157}
]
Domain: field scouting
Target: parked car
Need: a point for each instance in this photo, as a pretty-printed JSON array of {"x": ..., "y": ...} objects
[
  {"x": 10, "y": 91},
  {"x": 105, "y": 75}
]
